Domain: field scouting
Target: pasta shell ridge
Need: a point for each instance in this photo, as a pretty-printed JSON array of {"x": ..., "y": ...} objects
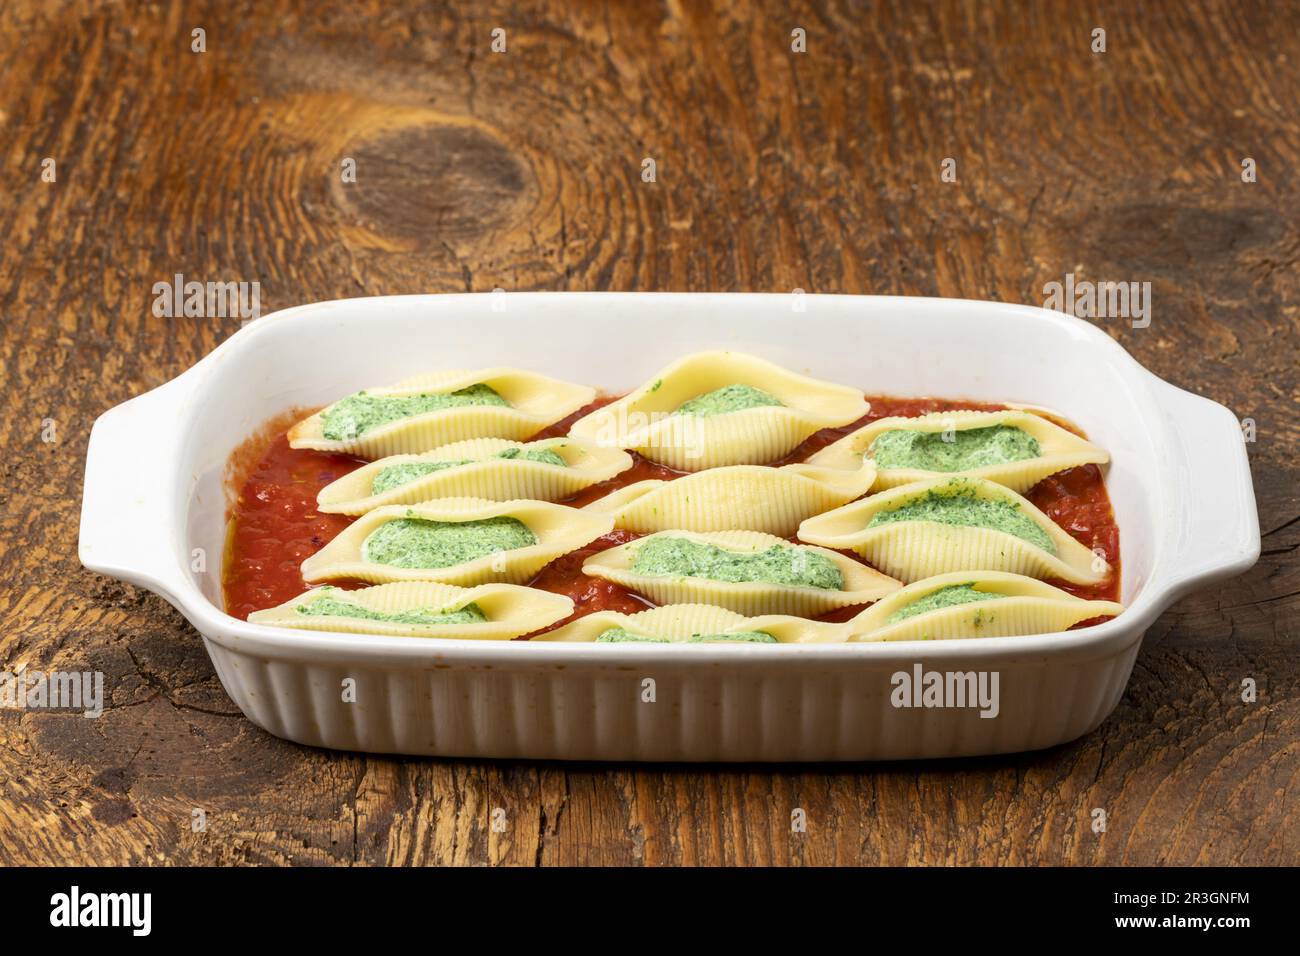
[
  {"x": 484, "y": 475},
  {"x": 647, "y": 420},
  {"x": 535, "y": 402},
  {"x": 1024, "y": 606},
  {"x": 912, "y": 550},
  {"x": 677, "y": 622},
  {"x": 511, "y": 610},
  {"x": 757, "y": 497},
  {"x": 558, "y": 530},
  {"x": 861, "y": 584},
  {"x": 1060, "y": 449}
]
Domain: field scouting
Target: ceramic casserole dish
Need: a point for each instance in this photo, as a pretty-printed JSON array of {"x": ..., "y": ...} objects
[{"x": 156, "y": 491}]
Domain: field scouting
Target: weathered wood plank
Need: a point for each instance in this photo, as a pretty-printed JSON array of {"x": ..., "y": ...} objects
[{"x": 522, "y": 169}]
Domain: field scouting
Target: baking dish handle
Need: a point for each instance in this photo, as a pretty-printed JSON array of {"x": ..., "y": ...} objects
[
  {"x": 126, "y": 528},
  {"x": 1218, "y": 536}
]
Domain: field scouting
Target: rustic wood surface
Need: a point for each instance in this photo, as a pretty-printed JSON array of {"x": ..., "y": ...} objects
[{"x": 522, "y": 170}]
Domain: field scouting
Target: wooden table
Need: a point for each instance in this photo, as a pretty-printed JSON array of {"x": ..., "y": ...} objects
[{"x": 774, "y": 170}]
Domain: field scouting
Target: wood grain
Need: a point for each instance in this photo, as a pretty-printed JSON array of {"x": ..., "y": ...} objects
[{"x": 522, "y": 170}]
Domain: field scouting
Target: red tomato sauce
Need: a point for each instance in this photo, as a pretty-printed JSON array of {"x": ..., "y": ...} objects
[{"x": 273, "y": 524}]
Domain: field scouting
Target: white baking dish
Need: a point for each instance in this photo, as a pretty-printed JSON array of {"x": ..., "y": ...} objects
[{"x": 1179, "y": 481}]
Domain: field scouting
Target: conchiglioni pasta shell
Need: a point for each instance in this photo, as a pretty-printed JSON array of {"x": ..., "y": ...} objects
[
  {"x": 1030, "y": 607},
  {"x": 496, "y": 479},
  {"x": 645, "y": 420},
  {"x": 536, "y": 401},
  {"x": 760, "y": 498},
  {"x": 558, "y": 530},
  {"x": 861, "y": 583},
  {"x": 511, "y": 610},
  {"x": 1060, "y": 448},
  {"x": 912, "y": 550},
  {"x": 677, "y": 622}
]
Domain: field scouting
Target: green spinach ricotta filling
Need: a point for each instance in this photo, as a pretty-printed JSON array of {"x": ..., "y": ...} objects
[
  {"x": 543, "y": 455},
  {"x": 966, "y": 449},
  {"x": 950, "y": 596},
  {"x": 967, "y": 510},
  {"x": 619, "y": 635},
  {"x": 729, "y": 398},
  {"x": 394, "y": 476},
  {"x": 357, "y": 414},
  {"x": 329, "y": 606},
  {"x": 425, "y": 544},
  {"x": 780, "y": 564}
]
